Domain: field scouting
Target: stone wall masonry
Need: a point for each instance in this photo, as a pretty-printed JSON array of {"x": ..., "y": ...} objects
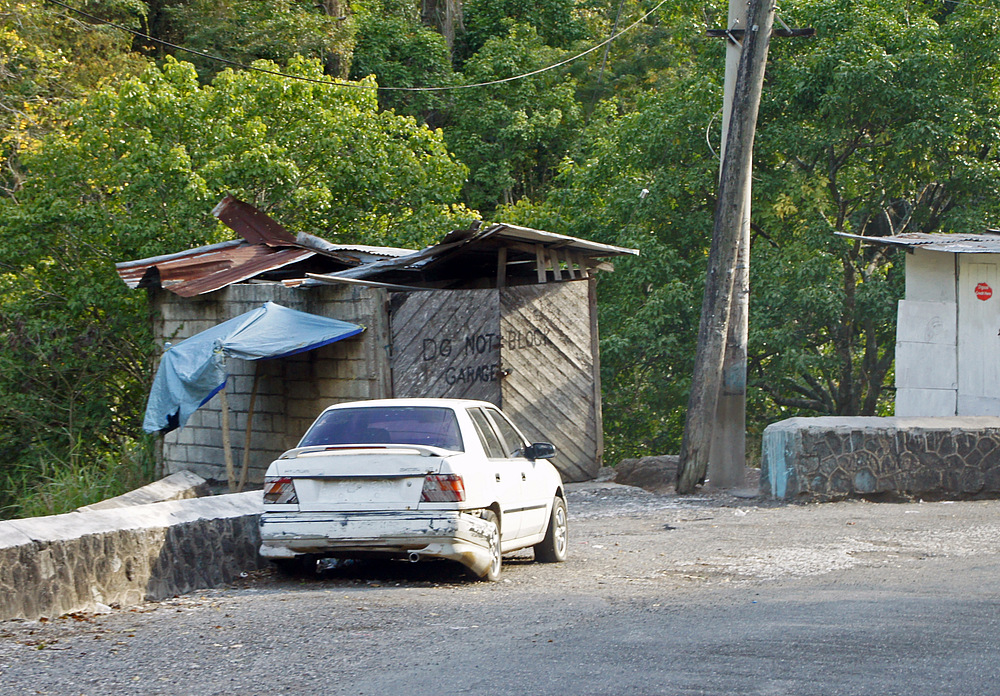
[
  {"x": 85, "y": 561},
  {"x": 830, "y": 458}
]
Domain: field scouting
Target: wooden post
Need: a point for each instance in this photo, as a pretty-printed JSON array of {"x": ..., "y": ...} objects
[
  {"x": 227, "y": 450},
  {"x": 502, "y": 267},
  {"x": 249, "y": 430},
  {"x": 714, "y": 325},
  {"x": 540, "y": 263}
]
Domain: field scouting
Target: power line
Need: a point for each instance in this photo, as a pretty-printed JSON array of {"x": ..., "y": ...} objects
[{"x": 355, "y": 85}]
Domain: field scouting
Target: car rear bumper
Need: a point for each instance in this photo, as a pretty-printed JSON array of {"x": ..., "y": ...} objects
[{"x": 452, "y": 535}]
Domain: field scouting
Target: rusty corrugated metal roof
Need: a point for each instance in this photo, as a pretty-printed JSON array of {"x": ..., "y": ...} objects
[
  {"x": 250, "y": 223},
  {"x": 142, "y": 273},
  {"x": 243, "y": 263},
  {"x": 463, "y": 257},
  {"x": 266, "y": 247}
]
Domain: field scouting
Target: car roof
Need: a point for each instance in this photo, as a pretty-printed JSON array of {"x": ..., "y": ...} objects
[{"x": 425, "y": 402}]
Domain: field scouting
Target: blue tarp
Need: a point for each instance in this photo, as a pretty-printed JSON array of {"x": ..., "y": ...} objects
[{"x": 194, "y": 370}]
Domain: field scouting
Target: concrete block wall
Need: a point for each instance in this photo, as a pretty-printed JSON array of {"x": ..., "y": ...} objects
[
  {"x": 83, "y": 561},
  {"x": 830, "y": 458},
  {"x": 291, "y": 391}
]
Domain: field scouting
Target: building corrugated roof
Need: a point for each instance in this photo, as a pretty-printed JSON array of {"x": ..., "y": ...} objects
[
  {"x": 474, "y": 254},
  {"x": 988, "y": 243},
  {"x": 499, "y": 254},
  {"x": 265, "y": 248}
]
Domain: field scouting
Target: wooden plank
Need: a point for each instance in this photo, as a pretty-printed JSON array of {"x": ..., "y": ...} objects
[
  {"x": 548, "y": 348},
  {"x": 540, "y": 263},
  {"x": 556, "y": 268},
  {"x": 446, "y": 343},
  {"x": 502, "y": 267},
  {"x": 595, "y": 352}
]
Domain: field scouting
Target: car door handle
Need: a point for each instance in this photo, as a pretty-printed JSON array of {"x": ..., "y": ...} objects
[
  {"x": 498, "y": 478},
  {"x": 524, "y": 476}
]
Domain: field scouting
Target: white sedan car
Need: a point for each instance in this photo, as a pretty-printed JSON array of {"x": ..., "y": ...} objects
[{"x": 416, "y": 479}]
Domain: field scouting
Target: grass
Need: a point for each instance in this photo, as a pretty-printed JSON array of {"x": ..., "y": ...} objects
[{"x": 52, "y": 487}]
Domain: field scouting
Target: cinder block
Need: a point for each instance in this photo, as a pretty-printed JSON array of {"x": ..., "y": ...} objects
[{"x": 302, "y": 408}]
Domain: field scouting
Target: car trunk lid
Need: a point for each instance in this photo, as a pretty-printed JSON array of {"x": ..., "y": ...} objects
[{"x": 366, "y": 477}]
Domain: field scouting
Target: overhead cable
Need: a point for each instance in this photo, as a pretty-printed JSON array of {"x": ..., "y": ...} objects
[{"x": 355, "y": 85}]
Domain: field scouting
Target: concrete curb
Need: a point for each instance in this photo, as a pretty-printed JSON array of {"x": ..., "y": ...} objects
[
  {"x": 86, "y": 561},
  {"x": 177, "y": 486}
]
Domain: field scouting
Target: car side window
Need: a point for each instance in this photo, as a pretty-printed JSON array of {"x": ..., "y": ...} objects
[
  {"x": 513, "y": 443},
  {"x": 491, "y": 443}
]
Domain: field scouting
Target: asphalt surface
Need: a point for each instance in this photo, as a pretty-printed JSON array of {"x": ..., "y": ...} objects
[{"x": 661, "y": 595}]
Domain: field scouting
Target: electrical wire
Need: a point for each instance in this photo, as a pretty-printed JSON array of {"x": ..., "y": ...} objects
[{"x": 355, "y": 85}]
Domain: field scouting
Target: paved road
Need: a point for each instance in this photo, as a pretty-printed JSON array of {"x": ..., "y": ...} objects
[{"x": 710, "y": 595}]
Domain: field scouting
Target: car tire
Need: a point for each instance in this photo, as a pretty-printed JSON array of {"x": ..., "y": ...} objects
[
  {"x": 492, "y": 573},
  {"x": 300, "y": 566},
  {"x": 553, "y": 548}
]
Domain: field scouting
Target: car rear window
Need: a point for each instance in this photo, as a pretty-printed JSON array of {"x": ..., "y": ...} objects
[{"x": 387, "y": 425}]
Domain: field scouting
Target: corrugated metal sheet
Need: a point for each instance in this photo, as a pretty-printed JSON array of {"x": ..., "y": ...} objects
[
  {"x": 243, "y": 263},
  {"x": 208, "y": 268},
  {"x": 142, "y": 273},
  {"x": 474, "y": 255},
  {"x": 496, "y": 256},
  {"x": 954, "y": 243},
  {"x": 266, "y": 247},
  {"x": 253, "y": 225}
]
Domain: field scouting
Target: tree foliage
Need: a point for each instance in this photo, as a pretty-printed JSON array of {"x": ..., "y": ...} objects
[
  {"x": 243, "y": 31},
  {"x": 401, "y": 52},
  {"x": 885, "y": 122},
  {"x": 45, "y": 59},
  {"x": 134, "y": 172}
]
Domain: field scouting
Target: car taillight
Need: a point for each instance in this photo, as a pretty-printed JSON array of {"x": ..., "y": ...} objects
[
  {"x": 443, "y": 488},
  {"x": 279, "y": 491}
]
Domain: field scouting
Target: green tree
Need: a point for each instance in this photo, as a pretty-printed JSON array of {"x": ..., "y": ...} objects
[
  {"x": 558, "y": 23},
  {"x": 243, "y": 31},
  {"x": 512, "y": 135},
  {"x": 400, "y": 52},
  {"x": 46, "y": 58},
  {"x": 885, "y": 123},
  {"x": 134, "y": 173}
]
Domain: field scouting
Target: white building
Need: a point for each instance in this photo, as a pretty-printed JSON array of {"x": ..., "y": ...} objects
[{"x": 948, "y": 328}]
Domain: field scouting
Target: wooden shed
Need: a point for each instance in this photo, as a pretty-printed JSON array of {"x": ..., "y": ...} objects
[
  {"x": 948, "y": 325},
  {"x": 502, "y": 313}
]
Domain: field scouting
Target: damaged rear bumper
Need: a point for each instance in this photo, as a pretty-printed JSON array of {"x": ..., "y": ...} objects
[{"x": 452, "y": 535}]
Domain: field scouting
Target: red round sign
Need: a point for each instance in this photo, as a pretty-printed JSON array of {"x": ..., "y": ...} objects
[{"x": 984, "y": 291}]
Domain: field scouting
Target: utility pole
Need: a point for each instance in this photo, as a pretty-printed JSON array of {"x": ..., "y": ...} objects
[
  {"x": 727, "y": 453},
  {"x": 730, "y": 210}
]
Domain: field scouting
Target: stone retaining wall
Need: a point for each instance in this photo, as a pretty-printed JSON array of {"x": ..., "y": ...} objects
[
  {"x": 831, "y": 458},
  {"x": 85, "y": 561}
]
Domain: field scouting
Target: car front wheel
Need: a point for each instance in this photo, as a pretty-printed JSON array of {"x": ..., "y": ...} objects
[{"x": 554, "y": 546}]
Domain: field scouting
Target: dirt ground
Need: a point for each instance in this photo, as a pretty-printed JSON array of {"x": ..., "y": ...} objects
[{"x": 631, "y": 553}]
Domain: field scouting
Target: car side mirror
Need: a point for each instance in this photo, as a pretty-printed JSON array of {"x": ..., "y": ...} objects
[{"x": 540, "y": 450}]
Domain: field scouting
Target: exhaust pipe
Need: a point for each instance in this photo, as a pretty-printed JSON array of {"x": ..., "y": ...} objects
[{"x": 413, "y": 557}]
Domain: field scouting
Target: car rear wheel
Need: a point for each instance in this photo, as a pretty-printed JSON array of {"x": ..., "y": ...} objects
[
  {"x": 496, "y": 561},
  {"x": 554, "y": 546},
  {"x": 296, "y": 567}
]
